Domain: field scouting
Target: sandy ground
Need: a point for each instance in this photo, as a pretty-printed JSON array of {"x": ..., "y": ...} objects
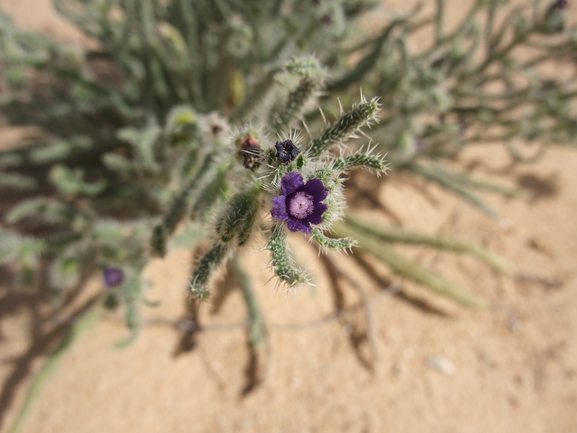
[{"x": 432, "y": 366}]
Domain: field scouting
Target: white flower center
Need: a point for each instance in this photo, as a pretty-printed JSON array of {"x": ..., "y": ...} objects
[{"x": 301, "y": 205}]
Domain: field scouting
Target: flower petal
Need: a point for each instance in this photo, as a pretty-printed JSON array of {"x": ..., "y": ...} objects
[
  {"x": 317, "y": 216},
  {"x": 278, "y": 210},
  {"x": 291, "y": 182},
  {"x": 316, "y": 188},
  {"x": 295, "y": 225}
]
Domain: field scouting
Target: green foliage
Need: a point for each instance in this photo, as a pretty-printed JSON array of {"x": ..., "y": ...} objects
[
  {"x": 411, "y": 269},
  {"x": 14, "y": 245},
  {"x": 17, "y": 181},
  {"x": 213, "y": 258},
  {"x": 345, "y": 127},
  {"x": 395, "y": 235},
  {"x": 257, "y": 331},
  {"x": 41, "y": 208},
  {"x": 327, "y": 243},
  {"x": 238, "y": 217},
  {"x": 70, "y": 182},
  {"x": 131, "y": 295},
  {"x": 282, "y": 261},
  {"x": 143, "y": 143},
  {"x": 361, "y": 160}
]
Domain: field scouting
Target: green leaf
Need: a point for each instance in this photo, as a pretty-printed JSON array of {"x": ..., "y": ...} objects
[
  {"x": 409, "y": 268},
  {"x": 42, "y": 208},
  {"x": 18, "y": 181}
]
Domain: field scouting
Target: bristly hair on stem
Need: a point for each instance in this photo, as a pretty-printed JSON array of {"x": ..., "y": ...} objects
[
  {"x": 282, "y": 261},
  {"x": 345, "y": 127}
]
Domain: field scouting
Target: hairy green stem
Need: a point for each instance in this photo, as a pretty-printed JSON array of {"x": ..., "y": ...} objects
[
  {"x": 257, "y": 329},
  {"x": 408, "y": 268},
  {"x": 401, "y": 236}
]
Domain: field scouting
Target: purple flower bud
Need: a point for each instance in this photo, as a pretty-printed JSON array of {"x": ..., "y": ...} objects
[
  {"x": 300, "y": 204},
  {"x": 327, "y": 19},
  {"x": 286, "y": 151},
  {"x": 562, "y": 4},
  {"x": 113, "y": 277}
]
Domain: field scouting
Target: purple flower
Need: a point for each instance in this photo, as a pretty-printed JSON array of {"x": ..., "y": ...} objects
[
  {"x": 562, "y": 4},
  {"x": 113, "y": 277},
  {"x": 300, "y": 205}
]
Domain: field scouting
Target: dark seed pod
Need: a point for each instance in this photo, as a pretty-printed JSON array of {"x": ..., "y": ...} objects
[
  {"x": 286, "y": 151},
  {"x": 250, "y": 150}
]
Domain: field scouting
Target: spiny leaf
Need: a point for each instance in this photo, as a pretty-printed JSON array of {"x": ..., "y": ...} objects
[
  {"x": 341, "y": 244},
  {"x": 345, "y": 126},
  {"x": 282, "y": 261}
]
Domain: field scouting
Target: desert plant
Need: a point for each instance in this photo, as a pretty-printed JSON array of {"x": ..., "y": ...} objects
[{"x": 195, "y": 124}]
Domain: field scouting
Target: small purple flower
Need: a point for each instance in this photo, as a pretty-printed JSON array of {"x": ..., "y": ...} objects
[
  {"x": 113, "y": 277},
  {"x": 300, "y": 205},
  {"x": 286, "y": 151},
  {"x": 562, "y": 4}
]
